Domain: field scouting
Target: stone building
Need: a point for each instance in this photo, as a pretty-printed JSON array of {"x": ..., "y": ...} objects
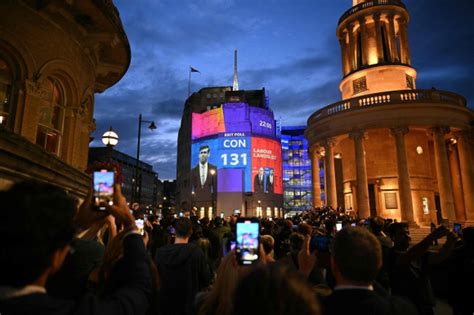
[
  {"x": 406, "y": 153},
  {"x": 54, "y": 55}
]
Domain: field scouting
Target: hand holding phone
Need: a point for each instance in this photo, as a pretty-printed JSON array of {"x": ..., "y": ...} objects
[
  {"x": 103, "y": 181},
  {"x": 247, "y": 242}
]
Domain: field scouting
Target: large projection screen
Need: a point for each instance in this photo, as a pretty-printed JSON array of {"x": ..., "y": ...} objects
[{"x": 234, "y": 151}]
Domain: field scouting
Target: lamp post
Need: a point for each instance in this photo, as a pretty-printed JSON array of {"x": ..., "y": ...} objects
[
  {"x": 137, "y": 187},
  {"x": 110, "y": 138},
  {"x": 213, "y": 196}
]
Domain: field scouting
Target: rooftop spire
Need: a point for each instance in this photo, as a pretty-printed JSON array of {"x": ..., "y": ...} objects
[{"x": 235, "y": 86}]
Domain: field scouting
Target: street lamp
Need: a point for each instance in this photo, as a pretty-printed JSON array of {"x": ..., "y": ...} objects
[
  {"x": 110, "y": 138},
  {"x": 213, "y": 196},
  {"x": 137, "y": 189}
]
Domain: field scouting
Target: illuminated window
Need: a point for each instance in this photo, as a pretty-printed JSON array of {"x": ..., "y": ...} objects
[
  {"x": 202, "y": 212},
  {"x": 209, "y": 213},
  {"x": 50, "y": 124},
  {"x": 425, "y": 203}
]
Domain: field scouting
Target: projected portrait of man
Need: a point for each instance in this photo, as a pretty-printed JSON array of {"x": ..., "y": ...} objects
[
  {"x": 270, "y": 182},
  {"x": 258, "y": 181},
  {"x": 204, "y": 176}
]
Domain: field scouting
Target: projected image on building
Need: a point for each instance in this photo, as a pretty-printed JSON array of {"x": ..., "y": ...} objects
[{"x": 234, "y": 149}]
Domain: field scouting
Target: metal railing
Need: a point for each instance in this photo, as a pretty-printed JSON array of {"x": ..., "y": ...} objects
[
  {"x": 369, "y": 4},
  {"x": 390, "y": 97}
]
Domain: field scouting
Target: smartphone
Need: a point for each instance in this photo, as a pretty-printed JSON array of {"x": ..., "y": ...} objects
[
  {"x": 222, "y": 215},
  {"x": 140, "y": 225},
  {"x": 338, "y": 226},
  {"x": 320, "y": 242},
  {"x": 457, "y": 228},
  {"x": 247, "y": 242},
  {"x": 103, "y": 181},
  {"x": 353, "y": 224},
  {"x": 228, "y": 247}
]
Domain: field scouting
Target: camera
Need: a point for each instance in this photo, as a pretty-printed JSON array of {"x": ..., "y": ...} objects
[
  {"x": 247, "y": 242},
  {"x": 103, "y": 182}
]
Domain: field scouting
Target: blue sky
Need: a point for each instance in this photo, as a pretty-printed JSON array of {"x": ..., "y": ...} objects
[{"x": 287, "y": 46}]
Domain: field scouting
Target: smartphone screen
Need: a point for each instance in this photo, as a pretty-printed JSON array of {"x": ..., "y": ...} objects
[
  {"x": 103, "y": 189},
  {"x": 457, "y": 228},
  {"x": 228, "y": 247},
  {"x": 140, "y": 225},
  {"x": 338, "y": 226},
  {"x": 247, "y": 241},
  {"x": 319, "y": 242}
]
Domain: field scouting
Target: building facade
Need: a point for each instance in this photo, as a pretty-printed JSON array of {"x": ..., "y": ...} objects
[
  {"x": 406, "y": 153},
  {"x": 235, "y": 132},
  {"x": 54, "y": 55},
  {"x": 148, "y": 185},
  {"x": 297, "y": 172}
]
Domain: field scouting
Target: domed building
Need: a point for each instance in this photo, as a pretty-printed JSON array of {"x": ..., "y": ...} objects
[
  {"x": 402, "y": 153},
  {"x": 54, "y": 56}
]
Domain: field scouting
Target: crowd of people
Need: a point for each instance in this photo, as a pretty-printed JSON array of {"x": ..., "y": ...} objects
[{"x": 59, "y": 257}]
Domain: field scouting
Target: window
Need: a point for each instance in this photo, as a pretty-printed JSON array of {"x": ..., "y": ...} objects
[
  {"x": 409, "y": 81},
  {"x": 50, "y": 124},
  {"x": 391, "y": 200},
  {"x": 359, "y": 85},
  {"x": 5, "y": 92}
]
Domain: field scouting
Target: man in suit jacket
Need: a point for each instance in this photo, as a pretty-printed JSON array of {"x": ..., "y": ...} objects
[
  {"x": 37, "y": 226},
  {"x": 204, "y": 176},
  {"x": 258, "y": 181},
  {"x": 356, "y": 258},
  {"x": 270, "y": 182}
]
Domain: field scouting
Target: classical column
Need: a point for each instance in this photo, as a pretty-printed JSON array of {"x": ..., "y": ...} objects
[
  {"x": 404, "y": 187},
  {"x": 352, "y": 47},
  {"x": 442, "y": 171},
  {"x": 363, "y": 38},
  {"x": 378, "y": 36},
  {"x": 345, "y": 62},
  {"x": 404, "y": 48},
  {"x": 316, "y": 179},
  {"x": 363, "y": 206},
  {"x": 330, "y": 173},
  {"x": 466, "y": 164},
  {"x": 456, "y": 182},
  {"x": 391, "y": 39}
]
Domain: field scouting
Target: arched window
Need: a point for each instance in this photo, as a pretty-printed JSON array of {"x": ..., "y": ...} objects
[
  {"x": 50, "y": 124},
  {"x": 5, "y": 92}
]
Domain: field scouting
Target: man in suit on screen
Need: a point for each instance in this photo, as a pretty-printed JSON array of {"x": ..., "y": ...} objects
[
  {"x": 270, "y": 182},
  {"x": 258, "y": 181},
  {"x": 204, "y": 176}
]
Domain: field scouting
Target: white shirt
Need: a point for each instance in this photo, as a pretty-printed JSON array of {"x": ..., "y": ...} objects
[{"x": 203, "y": 173}]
